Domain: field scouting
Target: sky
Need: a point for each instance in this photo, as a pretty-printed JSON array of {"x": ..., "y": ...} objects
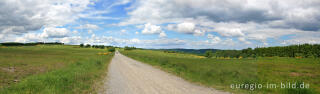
[{"x": 191, "y": 24}]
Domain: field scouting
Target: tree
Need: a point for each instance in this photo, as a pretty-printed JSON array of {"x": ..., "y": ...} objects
[
  {"x": 81, "y": 45},
  {"x": 111, "y": 49},
  {"x": 129, "y": 48},
  {"x": 208, "y": 54},
  {"x": 88, "y": 46},
  {"x": 301, "y": 51}
]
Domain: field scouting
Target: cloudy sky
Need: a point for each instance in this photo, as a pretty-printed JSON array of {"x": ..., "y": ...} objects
[{"x": 229, "y": 24}]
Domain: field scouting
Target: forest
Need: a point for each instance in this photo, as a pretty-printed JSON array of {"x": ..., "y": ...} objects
[
  {"x": 297, "y": 51},
  {"x": 30, "y": 44}
]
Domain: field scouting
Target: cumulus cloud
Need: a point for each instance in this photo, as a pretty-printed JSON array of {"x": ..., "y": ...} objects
[
  {"x": 213, "y": 39},
  {"x": 123, "y": 32},
  {"x": 135, "y": 41},
  {"x": 90, "y": 31},
  {"x": 228, "y": 22},
  {"x": 153, "y": 29},
  {"x": 51, "y": 32},
  {"x": 229, "y": 42},
  {"x": 75, "y": 32},
  {"x": 229, "y": 32},
  {"x": 199, "y": 33},
  {"x": 47, "y": 34},
  {"x": 162, "y": 34},
  {"x": 309, "y": 40},
  {"x": 242, "y": 39},
  {"x": 88, "y": 26},
  {"x": 21, "y": 16},
  {"x": 30, "y": 37},
  {"x": 243, "y": 20},
  {"x": 297, "y": 14},
  {"x": 187, "y": 28},
  {"x": 70, "y": 40}
]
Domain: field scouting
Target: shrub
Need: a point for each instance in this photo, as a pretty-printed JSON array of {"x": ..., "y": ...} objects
[
  {"x": 88, "y": 46},
  {"x": 208, "y": 54},
  {"x": 129, "y": 48},
  {"x": 81, "y": 45},
  {"x": 111, "y": 49}
]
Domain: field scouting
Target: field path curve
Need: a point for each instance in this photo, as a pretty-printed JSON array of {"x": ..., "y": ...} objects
[{"x": 128, "y": 76}]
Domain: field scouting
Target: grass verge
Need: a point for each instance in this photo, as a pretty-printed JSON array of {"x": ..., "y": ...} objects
[
  {"x": 222, "y": 73},
  {"x": 51, "y": 69}
]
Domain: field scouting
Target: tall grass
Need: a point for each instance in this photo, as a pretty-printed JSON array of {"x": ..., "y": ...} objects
[
  {"x": 221, "y": 73},
  {"x": 70, "y": 70}
]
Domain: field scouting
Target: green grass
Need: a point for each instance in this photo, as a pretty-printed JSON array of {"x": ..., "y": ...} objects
[
  {"x": 52, "y": 69},
  {"x": 221, "y": 73}
]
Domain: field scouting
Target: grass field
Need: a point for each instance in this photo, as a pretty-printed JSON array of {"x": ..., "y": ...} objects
[
  {"x": 54, "y": 69},
  {"x": 223, "y": 73}
]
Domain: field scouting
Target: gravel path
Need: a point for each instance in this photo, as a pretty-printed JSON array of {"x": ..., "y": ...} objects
[{"x": 128, "y": 76}]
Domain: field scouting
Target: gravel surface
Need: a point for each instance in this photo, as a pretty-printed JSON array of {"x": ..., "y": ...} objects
[{"x": 128, "y": 76}]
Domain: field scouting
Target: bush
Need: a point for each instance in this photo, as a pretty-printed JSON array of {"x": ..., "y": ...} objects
[
  {"x": 81, "y": 45},
  {"x": 111, "y": 49},
  {"x": 129, "y": 48},
  {"x": 208, "y": 54},
  {"x": 88, "y": 46}
]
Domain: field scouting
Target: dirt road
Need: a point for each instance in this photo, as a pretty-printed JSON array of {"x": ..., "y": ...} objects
[{"x": 127, "y": 76}]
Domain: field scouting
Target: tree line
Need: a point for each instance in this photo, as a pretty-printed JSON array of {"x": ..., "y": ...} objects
[
  {"x": 129, "y": 48},
  {"x": 298, "y": 51},
  {"x": 30, "y": 44},
  {"x": 110, "y": 48}
]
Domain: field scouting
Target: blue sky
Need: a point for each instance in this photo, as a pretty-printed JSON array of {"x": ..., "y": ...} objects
[{"x": 198, "y": 24}]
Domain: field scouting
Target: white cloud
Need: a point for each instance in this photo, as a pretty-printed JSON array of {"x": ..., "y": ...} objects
[
  {"x": 134, "y": 41},
  {"x": 162, "y": 34},
  {"x": 119, "y": 2},
  {"x": 88, "y": 26},
  {"x": 30, "y": 37},
  {"x": 309, "y": 40},
  {"x": 140, "y": 26},
  {"x": 244, "y": 20},
  {"x": 242, "y": 39},
  {"x": 22, "y": 16},
  {"x": 70, "y": 40},
  {"x": 228, "y": 42},
  {"x": 75, "y": 32},
  {"x": 213, "y": 39},
  {"x": 90, "y": 31},
  {"x": 123, "y": 31},
  {"x": 153, "y": 29},
  {"x": 229, "y": 32},
  {"x": 47, "y": 34},
  {"x": 186, "y": 27},
  {"x": 199, "y": 33},
  {"x": 52, "y": 32},
  {"x": 293, "y": 13}
]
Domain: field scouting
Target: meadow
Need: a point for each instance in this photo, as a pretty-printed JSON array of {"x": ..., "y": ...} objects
[
  {"x": 222, "y": 73},
  {"x": 52, "y": 69}
]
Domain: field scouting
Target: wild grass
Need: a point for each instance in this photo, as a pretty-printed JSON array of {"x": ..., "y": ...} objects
[
  {"x": 52, "y": 69},
  {"x": 222, "y": 73}
]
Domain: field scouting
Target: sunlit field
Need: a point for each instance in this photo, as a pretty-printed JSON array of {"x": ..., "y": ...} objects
[
  {"x": 51, "y": 69},
  {"x": 221, "y": 73}
]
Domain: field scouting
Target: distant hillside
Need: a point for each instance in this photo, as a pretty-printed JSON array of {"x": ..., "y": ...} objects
[
  {"x": 193, "y": 51},
  {"x": 30, "y": 44}
]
